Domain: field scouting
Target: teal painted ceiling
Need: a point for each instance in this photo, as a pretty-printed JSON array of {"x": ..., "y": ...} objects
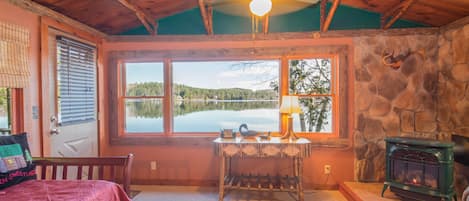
[{"x": 345, "y": 18}]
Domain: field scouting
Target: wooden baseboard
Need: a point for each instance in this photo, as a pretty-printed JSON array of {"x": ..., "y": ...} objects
[
  {"x": 214, "y": 183},
  {"x": 348, "y": 193}
]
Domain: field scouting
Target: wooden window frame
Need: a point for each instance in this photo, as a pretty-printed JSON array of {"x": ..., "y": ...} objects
[
  {"x": 17, "y": 110},
  {"x": 334, "y": 93},
  {"x": 168, "y": 102},
  {"x": 122, "y": 88}
]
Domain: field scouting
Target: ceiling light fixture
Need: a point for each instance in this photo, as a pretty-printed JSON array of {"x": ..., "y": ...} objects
[{"x": 260, "y": 7}]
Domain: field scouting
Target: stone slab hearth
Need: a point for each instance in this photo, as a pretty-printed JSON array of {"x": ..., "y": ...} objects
[{"x": 359, "y": 191}]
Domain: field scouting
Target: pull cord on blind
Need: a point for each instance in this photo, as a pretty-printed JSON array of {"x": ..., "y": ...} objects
[{"x": 76, "y": 81}]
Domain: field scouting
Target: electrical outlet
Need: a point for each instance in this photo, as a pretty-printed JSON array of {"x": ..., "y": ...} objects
[
  {"x": 327, "y": 169},
  {"x": 153, "y": 165}
]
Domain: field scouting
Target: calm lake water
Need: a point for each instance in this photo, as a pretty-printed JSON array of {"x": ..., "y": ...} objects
[
  {"x": 3, "y": 122},
  {"x": 204, "y": 116}
]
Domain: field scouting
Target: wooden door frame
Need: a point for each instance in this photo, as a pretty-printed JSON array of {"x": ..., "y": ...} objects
[{"x": 44, "y": 102}]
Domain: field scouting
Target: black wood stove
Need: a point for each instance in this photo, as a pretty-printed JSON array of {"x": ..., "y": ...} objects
[{"x": 419, "y": 169}]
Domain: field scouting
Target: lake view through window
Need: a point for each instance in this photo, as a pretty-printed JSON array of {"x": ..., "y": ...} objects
[{"x": 206, "y": 96}]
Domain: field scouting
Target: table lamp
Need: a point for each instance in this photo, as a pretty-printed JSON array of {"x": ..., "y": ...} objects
[{"x": 289, "y": 106}]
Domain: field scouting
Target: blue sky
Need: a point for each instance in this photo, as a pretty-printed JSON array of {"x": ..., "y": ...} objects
[{"x": 253, "y": 75}]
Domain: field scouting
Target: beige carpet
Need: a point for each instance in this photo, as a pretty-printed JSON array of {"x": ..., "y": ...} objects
[{"x": 193, "y": 193}]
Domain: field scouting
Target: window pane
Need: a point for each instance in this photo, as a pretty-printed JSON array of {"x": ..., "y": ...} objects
[
  {"x": 143, "y": 115},
  {"x": 310, "y": 76},
  {"x": 4, "y": 110},
  {"x": 209, "y": 96},
  {"x": 76, "y": 82},
  {"x": 144, "y": 79},
  {"x": 316, "y": 116}
]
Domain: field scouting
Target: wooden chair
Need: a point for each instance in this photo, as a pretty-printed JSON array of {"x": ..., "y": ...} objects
[{"x": 51, "y": 167}]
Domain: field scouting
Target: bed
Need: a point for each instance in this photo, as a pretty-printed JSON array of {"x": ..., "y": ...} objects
[{"x": 75, "y": 179}]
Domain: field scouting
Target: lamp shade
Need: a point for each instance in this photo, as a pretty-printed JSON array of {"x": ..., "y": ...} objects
[
  {"x": 290, "y": 104},
  {"x": 260, "y": 7}
]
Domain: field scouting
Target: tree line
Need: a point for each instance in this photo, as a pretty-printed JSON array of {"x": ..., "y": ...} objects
[
  {"x": 3, "y": 100},
  {"x": 154, "y": 109},
  {"x": 185, "y": 92}
]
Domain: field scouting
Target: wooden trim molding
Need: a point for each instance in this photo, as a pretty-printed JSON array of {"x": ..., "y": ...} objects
[{"x": 17, "y": 110}]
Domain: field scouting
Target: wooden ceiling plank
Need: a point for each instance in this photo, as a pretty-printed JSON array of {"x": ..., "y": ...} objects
[
  {"x": 330, "y": 15},
  {"x": 205, "y": 17},
  {"x": 265, "y": 24},
  {"x": 401, "y": 8},
  {"x": 165, "y": 9},
  {"x": 44, "y": 11},
  {"x": 450, "y": 8},
  {"x": 397, "y": 8},
  {"x": 147, "y": 20}
]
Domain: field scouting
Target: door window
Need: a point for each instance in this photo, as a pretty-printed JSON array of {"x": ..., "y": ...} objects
[{"x": 76, "y": 81}]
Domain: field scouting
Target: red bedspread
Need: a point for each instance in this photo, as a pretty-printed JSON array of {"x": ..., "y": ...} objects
[{"x": 73, "y": 190}]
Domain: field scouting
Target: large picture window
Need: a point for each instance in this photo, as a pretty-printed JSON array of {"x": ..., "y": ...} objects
[
  {"x": 225, "y": 94},
  {"x": 190, "y": 97}
]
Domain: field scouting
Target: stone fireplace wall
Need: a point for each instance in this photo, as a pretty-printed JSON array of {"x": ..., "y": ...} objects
[
  {"x": 453, "y": 81},
  {"x": 453, "y": 90},
  {"x": 392, "y": 102}
]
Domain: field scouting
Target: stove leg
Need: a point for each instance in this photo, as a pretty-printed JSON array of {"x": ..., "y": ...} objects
[
  {"x": 454, "y": 197},
  {"x": 384, "y": 189}
]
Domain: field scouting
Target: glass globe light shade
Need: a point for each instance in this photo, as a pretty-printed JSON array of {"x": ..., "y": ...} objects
[{"x": 260, "y": 7}]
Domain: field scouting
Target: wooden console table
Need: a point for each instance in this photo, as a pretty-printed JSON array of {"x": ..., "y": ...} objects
[{"x": 261, "y": 148}]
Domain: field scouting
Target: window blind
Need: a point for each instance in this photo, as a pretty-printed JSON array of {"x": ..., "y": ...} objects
[
  {"x": 76, "y": 81},
  {"x": 14, "y": 56}
]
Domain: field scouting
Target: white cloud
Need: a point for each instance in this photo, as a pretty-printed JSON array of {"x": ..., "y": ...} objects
[{"x": 254, "y": 70}]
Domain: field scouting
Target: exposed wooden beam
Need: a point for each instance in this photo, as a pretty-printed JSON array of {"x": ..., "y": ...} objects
[
  {"x": 147, "y": 20},
  {"x": 330, "y": 15},
  {"x": 396, "y": 12},
  {"x": 206, "y": 13},
  {"x": 322, "y": 13},
  {"x": 210, "y": 16},
  {"x": 265, "y": 24},
  {"x": 44, "y": 11},
  {"x": 116, "y": 40}
]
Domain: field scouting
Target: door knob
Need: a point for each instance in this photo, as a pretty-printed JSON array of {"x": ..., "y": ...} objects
[
  {"x": 54, "y": 131},
  {"x": 53, "y": 119}
]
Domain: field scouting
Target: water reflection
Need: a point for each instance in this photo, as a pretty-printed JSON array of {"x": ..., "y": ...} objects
[{"x": 202, "y": 116}]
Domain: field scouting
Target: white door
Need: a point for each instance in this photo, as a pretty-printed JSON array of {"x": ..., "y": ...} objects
[{"x": 73, "y": 128}]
